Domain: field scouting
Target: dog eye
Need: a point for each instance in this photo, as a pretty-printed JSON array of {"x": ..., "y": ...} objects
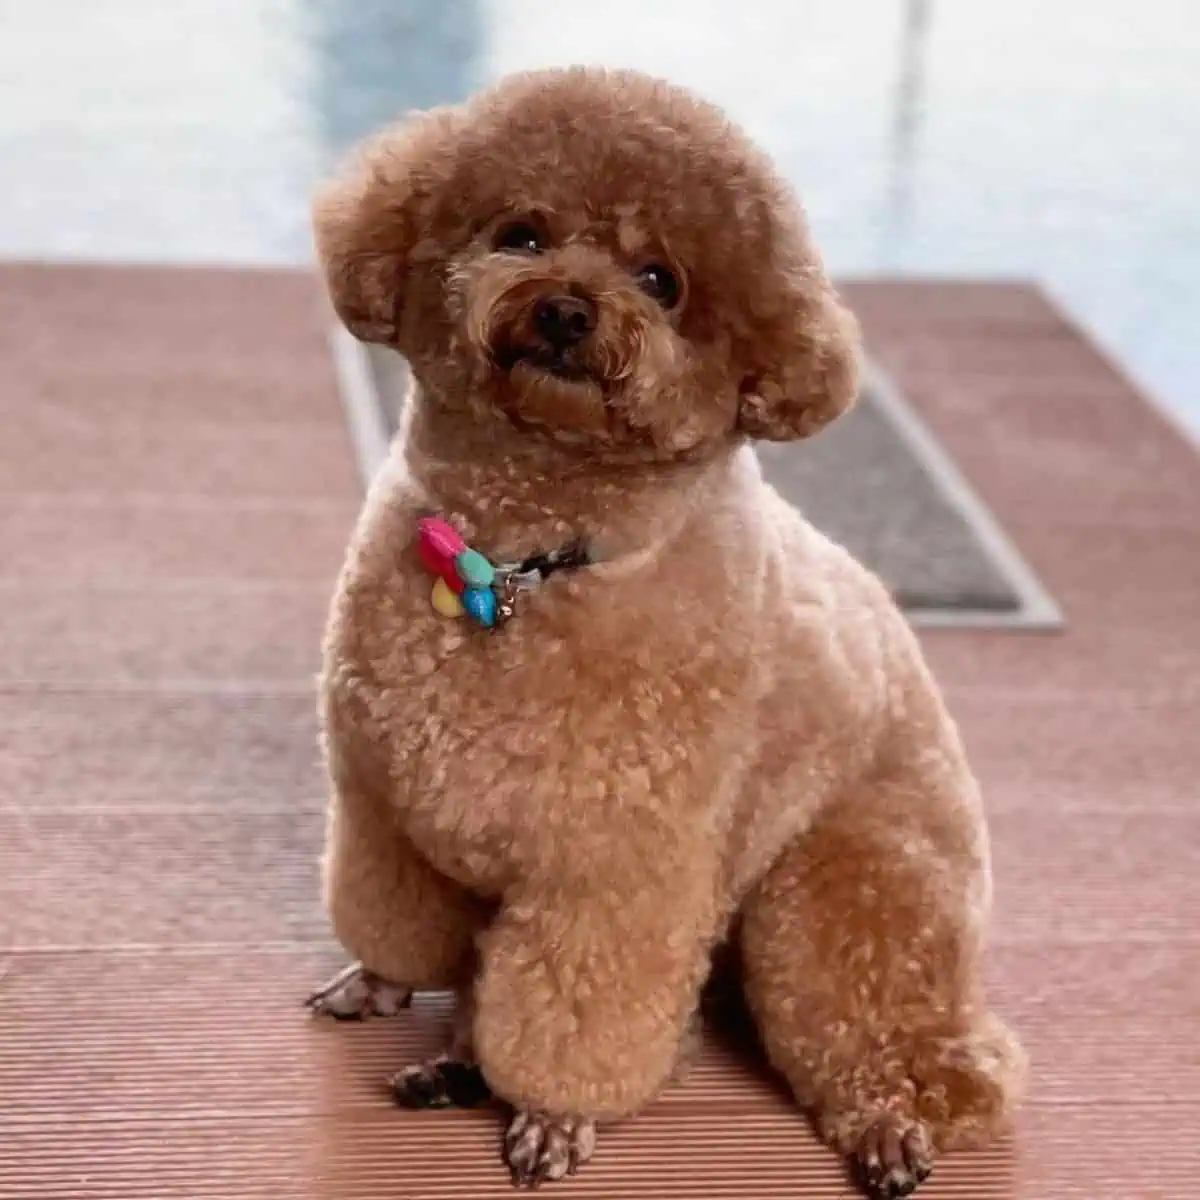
[
  {"x": 519, "y": 237},
  {"x": 659, "y": 284}
]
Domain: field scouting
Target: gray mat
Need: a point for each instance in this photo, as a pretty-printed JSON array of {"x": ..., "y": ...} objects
[
  {"x": 864, "y": 484},
  {"x": 871, "y": 485}
]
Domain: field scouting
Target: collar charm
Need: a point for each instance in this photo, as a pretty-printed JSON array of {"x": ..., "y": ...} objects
[
  {"x": 468, "y": 584},
  {"x": 465, "y": 582}
]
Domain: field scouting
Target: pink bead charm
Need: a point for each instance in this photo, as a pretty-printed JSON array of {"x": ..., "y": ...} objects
[{"x": 439, "y": 544}]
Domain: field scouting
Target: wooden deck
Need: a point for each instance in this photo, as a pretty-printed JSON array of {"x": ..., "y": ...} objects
[{"x": 177, "y": 487}]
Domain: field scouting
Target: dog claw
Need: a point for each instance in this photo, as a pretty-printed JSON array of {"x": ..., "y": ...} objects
[
  {"x": 893, "y": 1158},
  {"x": 443, "y": 1083},
  {"x": 355, "y": 993},
  {"x": 540, "y": 1149}
]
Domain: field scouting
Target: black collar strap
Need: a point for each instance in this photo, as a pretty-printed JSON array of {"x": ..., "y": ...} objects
[
  {"x": 512, "y": 578},
  {"x": 570, "y": 557}
]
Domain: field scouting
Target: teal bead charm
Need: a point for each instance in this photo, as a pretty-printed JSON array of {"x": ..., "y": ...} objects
[
  {"x": 480, "y": 605},
  {"x": 474, "y": 570}
]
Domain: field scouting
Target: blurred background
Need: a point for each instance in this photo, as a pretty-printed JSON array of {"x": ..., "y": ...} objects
[{"x": 1053, "y": 141}]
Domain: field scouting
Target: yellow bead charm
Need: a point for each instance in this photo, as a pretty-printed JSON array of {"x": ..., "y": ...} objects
[{"x": 445, "y": 601}]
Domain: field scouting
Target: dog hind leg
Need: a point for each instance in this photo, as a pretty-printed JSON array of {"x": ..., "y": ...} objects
[{"x": 860, "y": 952}]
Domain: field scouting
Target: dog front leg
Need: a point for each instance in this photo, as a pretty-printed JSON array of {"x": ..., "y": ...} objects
[{"x": 584, "y": 998}]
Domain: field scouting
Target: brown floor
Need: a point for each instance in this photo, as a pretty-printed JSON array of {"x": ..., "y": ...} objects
[{"x": 175, "y": 489}]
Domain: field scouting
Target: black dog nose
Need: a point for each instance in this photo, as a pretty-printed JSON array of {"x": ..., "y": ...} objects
[{"x": 564, "y": 321}]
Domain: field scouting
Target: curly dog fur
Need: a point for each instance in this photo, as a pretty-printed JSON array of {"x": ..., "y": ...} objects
[{"x": 723, "y": 731}]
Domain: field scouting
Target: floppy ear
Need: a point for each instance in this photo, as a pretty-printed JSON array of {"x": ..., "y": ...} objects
[
  {"x": 806, "y": 363},
  {"x": 370, "y": 220}
]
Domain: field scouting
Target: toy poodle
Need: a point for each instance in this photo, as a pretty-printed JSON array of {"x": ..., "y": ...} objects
[{"x": 596, "y": 700}]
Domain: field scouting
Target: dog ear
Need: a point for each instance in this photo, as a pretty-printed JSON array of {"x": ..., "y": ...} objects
[
  {"x": 806, "y": 369},
  {"x": 369, "y": 221}
]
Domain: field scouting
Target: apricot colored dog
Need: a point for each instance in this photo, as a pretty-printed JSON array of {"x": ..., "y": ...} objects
[{"x": 707, "y": 725}]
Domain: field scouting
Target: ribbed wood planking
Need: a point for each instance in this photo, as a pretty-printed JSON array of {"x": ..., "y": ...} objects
[{"x": 173, "y": 503}]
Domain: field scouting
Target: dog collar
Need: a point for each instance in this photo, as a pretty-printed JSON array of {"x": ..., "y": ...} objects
[{"x": 466, "y": 583}]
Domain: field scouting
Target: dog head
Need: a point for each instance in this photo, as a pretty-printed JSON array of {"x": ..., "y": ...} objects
[{"x": 596, "y": 257}]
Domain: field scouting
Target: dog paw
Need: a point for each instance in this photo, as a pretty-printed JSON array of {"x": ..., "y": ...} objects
[
  {"x": 893, "y": 1157},
  {"x": 540, "y": 1149},
  {"x": 356, "y": 993},
  {"x": 442, "y": 1083}
]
